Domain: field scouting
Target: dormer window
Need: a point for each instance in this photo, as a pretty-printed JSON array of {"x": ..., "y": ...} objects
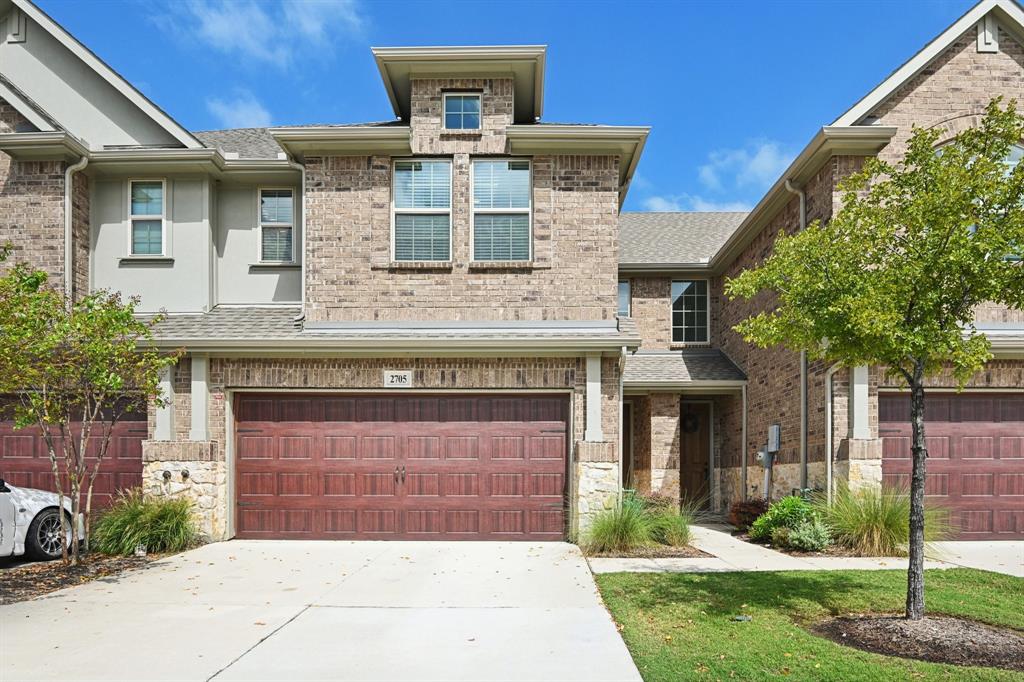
[{"x": 461, "y": 111}]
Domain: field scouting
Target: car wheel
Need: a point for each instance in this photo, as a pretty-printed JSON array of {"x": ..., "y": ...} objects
[{"x": 46, "y": 539}]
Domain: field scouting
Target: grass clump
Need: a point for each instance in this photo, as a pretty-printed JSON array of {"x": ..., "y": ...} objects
[
  {"x": 639, "y": 521},
  {"x": 159, "y": 525},
  {"x": 876, "y": 522}
]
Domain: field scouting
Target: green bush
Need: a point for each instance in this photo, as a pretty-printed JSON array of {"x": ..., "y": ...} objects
[
  {"x": 640, "y": 521},
  {"x": 874, "y": 522},
  {"x": 810, "y": 535},
  {"x": 780, "y": 536},
  {"x": 160, "y": 525},
  {"x": 787, "y": 512}
]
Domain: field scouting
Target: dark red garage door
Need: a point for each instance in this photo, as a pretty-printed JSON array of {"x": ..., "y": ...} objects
[
  {"x": 24, "y": 460},
  {"x": 975, "y": 458},
  {"x": 401, "y": 467}
]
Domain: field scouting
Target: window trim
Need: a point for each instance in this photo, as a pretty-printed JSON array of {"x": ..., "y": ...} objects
[
  {"x": 467, "y": 93},
  {"x": 707, "y": 320},
  {"x": 260, "y": 225},
  {"x": 395, "y": 211},
  {"x": 473, "y": 210},
  {"x": 629, "y": 302},
  {"x": 162, "y": 217}
]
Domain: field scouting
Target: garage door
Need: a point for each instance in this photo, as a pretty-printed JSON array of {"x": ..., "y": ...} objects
[
  {"x": 975, "y": 458},
  {"x": 24, "y": 460},
  {"x": 401, "y": 467}
]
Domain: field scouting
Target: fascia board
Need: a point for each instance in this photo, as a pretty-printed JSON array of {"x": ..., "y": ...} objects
[
  {"x": 54, "y": 144},
  {"x": 1007, "y": 10},
  {"x": 108, "y": 74},
  {"x": 827, "y": 142},
  {"x": 392, "y": 139},
  {"x": 703, "y": 269},
  {"x": 410, "y": 345}
]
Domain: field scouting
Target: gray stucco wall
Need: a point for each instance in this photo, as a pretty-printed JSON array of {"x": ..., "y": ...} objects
[
  {"x": 75, "y": 95},
  {"x": 237, "y": 250},
  {"x": 180, "y": 284}
]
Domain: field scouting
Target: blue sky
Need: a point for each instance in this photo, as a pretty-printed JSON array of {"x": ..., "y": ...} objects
[{"x": 733, "y": 90}]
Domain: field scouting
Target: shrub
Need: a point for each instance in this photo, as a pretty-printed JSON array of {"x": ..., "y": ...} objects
[
  {"x": 787, "y": 512},
  {"x": 780, "y": 536},
  {"x": 810, "y": 535},
  {"x": 876, "y": 522},
  {"x": 160, "y": 525},
  {"x": 744, "y": 512},
  {"x": 670, "y": 527}
]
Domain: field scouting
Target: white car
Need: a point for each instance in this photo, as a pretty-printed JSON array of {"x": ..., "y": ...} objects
[{"x": 30, "y": 524}]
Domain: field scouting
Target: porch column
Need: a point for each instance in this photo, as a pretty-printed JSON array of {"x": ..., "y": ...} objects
[
  {"x": 593, "y": 430},
  {"x": 200, "y": 399},
  {"x": 165, "y": 415},
  {"x": 860, "y": 426}
]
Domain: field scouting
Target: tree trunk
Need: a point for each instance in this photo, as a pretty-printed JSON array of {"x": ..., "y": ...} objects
[{"x": 919, "y": 452}]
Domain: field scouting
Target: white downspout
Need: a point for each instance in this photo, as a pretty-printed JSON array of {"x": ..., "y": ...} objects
[
  {"x": 828, "y": 430},
  {"x": 743, "y": 435},
  {"x": 622, "y": 427},
  {"x": 302, "y": 236},
  {"x": 803, "y": 354},
  {"x": 69, "y": 256}
]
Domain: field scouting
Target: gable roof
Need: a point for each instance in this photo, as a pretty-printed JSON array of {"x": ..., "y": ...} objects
[
  {"x": 672, "y": 239},
  {"x": 1009, "y": 14},
  {"x": 118, "y": 82}
]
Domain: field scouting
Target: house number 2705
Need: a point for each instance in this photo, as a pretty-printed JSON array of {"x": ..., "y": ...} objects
[{"x": 397, "y": 379}]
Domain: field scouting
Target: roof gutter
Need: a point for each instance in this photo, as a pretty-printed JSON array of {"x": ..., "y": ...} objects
[
  {"x": 412, "y": 344},
  {"x": 829, "y": 141}
]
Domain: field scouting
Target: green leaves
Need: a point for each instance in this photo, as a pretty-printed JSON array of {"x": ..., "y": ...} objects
[{"x": 894, "y": 278}]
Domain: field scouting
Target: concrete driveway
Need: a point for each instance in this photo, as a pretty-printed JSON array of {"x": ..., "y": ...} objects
[
  {"x": 273, "y": 610},
  {"x": 1003, "y": 556}
]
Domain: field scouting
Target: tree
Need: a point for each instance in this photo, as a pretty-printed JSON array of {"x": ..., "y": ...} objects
[
  {"x": 894, "y": 278},
  {"x": 75, "y": 367}
]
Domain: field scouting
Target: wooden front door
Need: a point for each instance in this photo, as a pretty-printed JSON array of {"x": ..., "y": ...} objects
[
  {"x": 442, "y": 467},
  {"x": 695, "y": 451}
]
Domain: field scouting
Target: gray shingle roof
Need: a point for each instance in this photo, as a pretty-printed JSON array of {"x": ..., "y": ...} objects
[
  {"x": 677, "y": 237},
  {"x": 277, "y": 322},
  {"x": 679, "y": 367},
  {"x": 258, "y": 143}
]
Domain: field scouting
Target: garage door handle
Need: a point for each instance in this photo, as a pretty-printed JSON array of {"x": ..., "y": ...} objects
[
  {"x": 396, "y": 474},
  {"x": 403, "y": 473}
]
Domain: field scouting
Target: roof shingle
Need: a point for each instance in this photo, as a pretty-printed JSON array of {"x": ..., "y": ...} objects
[
  {"x": 679, "y": 367},
  {"x": 672, "y": 238}
]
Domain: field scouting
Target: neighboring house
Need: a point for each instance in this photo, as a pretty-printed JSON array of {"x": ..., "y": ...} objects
[{"x": 441, "y": 326}]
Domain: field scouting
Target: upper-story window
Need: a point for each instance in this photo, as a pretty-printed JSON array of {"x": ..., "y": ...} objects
[
  {"x": 461, "y": 111},
  {"x": 146, "y": 214},
  {"x": 501, "y": 210},
  {"x": 422, "y": 210},
  {"x": 277, "y": 217},
  {"x": 624, "y": 297},
  {"x": 690, "y": 311}
]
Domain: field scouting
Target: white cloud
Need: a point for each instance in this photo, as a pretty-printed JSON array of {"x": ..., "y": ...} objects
[
  {"x": 690, "y": 202},
  {"x": 751, "y": 167},
  {"x": 267, "y": 32},
  {"x": 241, "y": 111}
]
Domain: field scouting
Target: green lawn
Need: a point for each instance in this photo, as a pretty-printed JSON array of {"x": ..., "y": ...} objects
[{"x": 680, "y": 626}]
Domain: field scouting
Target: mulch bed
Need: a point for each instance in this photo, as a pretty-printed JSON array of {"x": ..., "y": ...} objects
[
  {"x": 21, "y": 582},
  {"x": 939, "y": 639},
  {"x": 657, "y": 552}
]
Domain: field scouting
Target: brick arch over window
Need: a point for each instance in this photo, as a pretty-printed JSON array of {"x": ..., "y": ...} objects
[{"x": 951, "y": 127}]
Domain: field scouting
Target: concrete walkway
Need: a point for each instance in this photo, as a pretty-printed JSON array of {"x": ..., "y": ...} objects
[
  {"x": 732, "y": 554},
  {"x": 274, "y": 610},
  {"x": 1004, "y": 556}
]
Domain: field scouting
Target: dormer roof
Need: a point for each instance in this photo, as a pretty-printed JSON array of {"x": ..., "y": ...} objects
[{"x": 524, "y": 63}]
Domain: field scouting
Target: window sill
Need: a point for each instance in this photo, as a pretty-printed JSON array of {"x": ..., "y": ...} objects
[
  {"x": 415, "y": 265},
  {"x": 501, "y": 265},
  {"x": 146, "y": 260},
  {"x": 675, "y": 345},
  {"x": 274, "y": 266},
  {"x": 455, "y": 133}
]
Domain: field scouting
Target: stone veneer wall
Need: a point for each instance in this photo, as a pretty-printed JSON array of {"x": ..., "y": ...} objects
[{"x": 592, "y": 463}]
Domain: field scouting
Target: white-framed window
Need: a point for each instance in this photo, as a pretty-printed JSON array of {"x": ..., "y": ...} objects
[
  {"x": 625, "y": 298},
  {"x": 690, "y": 311},
  {"x": 421, "y": 210},
  {"x": 277, "y": 225},
  {"x": 147, "y": 205},
  {"x": 461, "y": 110},
  {"x": 502, "y": 204}
]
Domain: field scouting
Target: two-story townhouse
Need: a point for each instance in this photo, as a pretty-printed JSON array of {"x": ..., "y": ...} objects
[
  {"x": 440, "y": 326},
  {"x": 704, "y": 403},
  {"x": 400, "y": 329}
]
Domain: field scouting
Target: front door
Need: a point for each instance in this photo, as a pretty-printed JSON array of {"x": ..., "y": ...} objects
[{"x": 695, "y": 452}]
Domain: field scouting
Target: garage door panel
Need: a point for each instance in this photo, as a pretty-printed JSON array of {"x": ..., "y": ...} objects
[
  {"x": 20, "y": 446},
  {"x": 982, "y": 481},
  {"x": 378, "y": 476}
]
